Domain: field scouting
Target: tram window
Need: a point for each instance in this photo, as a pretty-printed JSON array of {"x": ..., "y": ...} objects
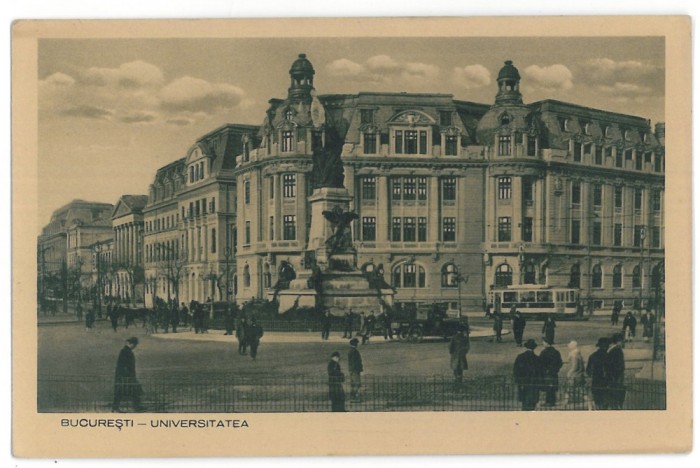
[
  {"x": 572, "y": 296},
  {"x": 527, "y": 296},
  {"x": 544, "y": 296},
  {"x": 560, "y": 297},
  {"x": 510, "y": 296}
]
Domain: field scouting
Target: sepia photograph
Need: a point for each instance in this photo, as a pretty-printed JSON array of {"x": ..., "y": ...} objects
[{"x": 231, "y": 228}]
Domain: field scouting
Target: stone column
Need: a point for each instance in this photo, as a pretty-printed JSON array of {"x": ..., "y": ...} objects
[{"x": 383, "y": 211}]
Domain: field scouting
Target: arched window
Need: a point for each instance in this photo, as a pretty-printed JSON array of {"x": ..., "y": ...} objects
[
  {"x": 657, "y": 276},
  {"x": 408, "y": 275},
  {"x": 637, "y": 277},
  {"x": 450, "y": 276},
  {"x": 246, "y": 276},
  {"x": 575, "y": 276},
  {"x": 504, "y": 275},
  {"x": 529, "y": 273},
  {"x": 617, "y": 276},
  {"x": 597, "y": 277}
]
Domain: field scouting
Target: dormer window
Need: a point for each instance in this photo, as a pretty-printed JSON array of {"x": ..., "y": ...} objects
[
  {"x": 565, "y": 125},
  {"x": 608, "y": 131},
  {"x": 505, "y": 119},
  {"x": 445, "y": 118},
  {"x": 628, "y": 135},
  {"x": 587, "y": 128},
  {"x": 287, "y": 141},
  {"x": 288, "y": 114},
  {"x": 366, "y": 116}
]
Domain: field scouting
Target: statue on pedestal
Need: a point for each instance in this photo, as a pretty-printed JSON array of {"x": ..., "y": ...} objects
[{"x": 327, "y": 164}]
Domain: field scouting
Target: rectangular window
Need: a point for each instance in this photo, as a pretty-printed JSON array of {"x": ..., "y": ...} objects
[
  {"x": 575, "y": 231},
  {"x": 597, "y": 195},
  {"x": 656, "y": 200},
  {"x": 290, "y": 227},
  {"x": 599, "y": 155},
  {"x": 272, "y": 188},
  {"x": 213, "y": 240},
  {"x": 369, "y": 188},
  {"x": 597, "y": 233},
  {"x": 588, "y": 149},
  {"x": 618, "y": 198},
  {"x": 396, "y": 188},
  {"x": 272, "y": 228},
  {"x": 204, "y": 206},
  {"x": 628, "y": 155},
  {"x": 398, "y": 137},
  {"x": 638, "y": 230},
  {"x": 638, "y": 194},
  {"x": 212, "y": 207},
  {"x": 449, "y": 189},
  {"x": 366, "y": 116},
  {"x": 655, "y": 237},
  {"x": 576, "y": 193},
  {"x": 196, "y": 209},
  {"x": 531, "y": 145},
  {"x": 658, "y": 163},
  {"x": 528, "y": 195},
  {"x": 618, "y": 159},
  {"x": 396, "y": 230},
  {"x": 422, "y": 188},
  {"x": 246, "y": 192},
  {"x": 422, "y": 229},
  {"x": 617, "y": 235},
  {"x": 423, "y": 142},
  {"x": 369, "y": 228},
  {"x": 504, "y": 227},
  {"x": 247, "y": 233},
  {"x": 450, "y": 145},
  {"x": 289, "y": 185},
  {"x": 449, "y": 229},
  {"x": 577, "y": 152},
  {"x": 411, "y": 141},
  {"x": 409, "y": 229},
  {"x": 409, "y": 276},
  {"x": 287, "y": 141},
  {"x": 505, "y": 185},
  {"x": 191, "y": 209},
  {"x": 638, "y": 161},
  {"x": 608, "y": 151},
  {"x": 445, "y": 118},
  {"x": 647, "y": 157},
  {"x": 527, "y": 229},
  {"x": 504, "y": 145},
  {"x": 409, "y": 188},
  {"x": 370, "y": 143}
]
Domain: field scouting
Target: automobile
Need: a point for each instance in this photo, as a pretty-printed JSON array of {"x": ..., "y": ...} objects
[{"x": 412, "y": 324}]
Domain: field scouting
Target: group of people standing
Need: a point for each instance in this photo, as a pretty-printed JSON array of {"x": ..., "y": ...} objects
[
  {"x": 248, "y": 334},
  {"x": 336, "y": 377},
  {"x": 368, "y": 325},
  {"x": 534, "y": 373}
]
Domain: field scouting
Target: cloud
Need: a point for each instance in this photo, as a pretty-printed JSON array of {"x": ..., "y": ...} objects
[
  {"x": 128, "y": 75},
  {"x": 627, "y": 79},
  {"x": 472, "y": 76},
  {"x": 383, "y": 69},
  {"x": 88, "y": 112},
  {"x": 58, "y": 80},
  {"x": 180, "y": 121},
  {"x": 139, "y": 117},
  {"x": 555, "y": 77},
  {"x": 197, "y": 95}
]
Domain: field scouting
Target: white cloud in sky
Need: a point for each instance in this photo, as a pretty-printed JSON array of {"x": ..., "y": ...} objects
[
  {"x": 135, "y": 93},
  {"x": 625, "y": 79},
  {"x": 555, "y": 77},
  {"x": 471, "y": 76},
  {"x": 383, "y": 69}
]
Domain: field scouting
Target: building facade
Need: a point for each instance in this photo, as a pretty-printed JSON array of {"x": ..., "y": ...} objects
[{"x": 127, "y": 263}]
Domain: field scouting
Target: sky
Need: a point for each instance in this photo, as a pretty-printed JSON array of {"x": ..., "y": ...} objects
[{"x": 111, "y": 112}]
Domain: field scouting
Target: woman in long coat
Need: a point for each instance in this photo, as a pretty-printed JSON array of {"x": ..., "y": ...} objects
[
  {"x": 576, "y": 375},
  {"x": 548, "y": 329}
]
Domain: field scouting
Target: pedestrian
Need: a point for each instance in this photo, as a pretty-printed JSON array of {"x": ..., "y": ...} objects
[
  {"x": 595, "y": 369},
  {"x": 253, "y": 335},
  {"x": 89, "y": 319},
  {"x": 79, "y": 311},
  {"x": 459, "y": 347},
  {"x": 386, "y": 324},
  {"x": 647, "y": 322},
  {"x": 228, "y": 320},
  {"x": 486, "y": 308},
  {"x": 174, "y": 316},
  {"x": 335, "y": 383},
  {"x": 497, "y": 325},
  {"x": 614, "y": 368},
  {"x": 550, "y": 358},
  {"x": 184, "y": 315},
  {"x": 576, "y": 375},
  {"x": 365, "y": 330},
  {"x": 548, "y": 329},
  {"x": 629, "y": 326},
  {"x": 527, "y": 374},
  {"x": 113, "y": 314},
  {"x": 347, "y": 324},
  {"x": 355, "y": 368},
  {"x": 326, "y": 324},
  {"x": 519, "y": 323},
  {"x": 125, "y": 383},
  {"x": 615, "y": 316},
  {"x": 241, "y": 330}
]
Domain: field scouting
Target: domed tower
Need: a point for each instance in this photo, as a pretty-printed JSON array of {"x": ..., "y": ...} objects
[
  {"x": 508, "y": 85},
  {"x": 302, "y": 75}
]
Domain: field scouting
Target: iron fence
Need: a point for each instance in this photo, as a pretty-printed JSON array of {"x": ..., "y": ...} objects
[{"x": 228, "y": 394}]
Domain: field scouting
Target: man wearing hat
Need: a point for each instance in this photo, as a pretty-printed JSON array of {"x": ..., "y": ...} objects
[
  {"x": 527, "y": 373},
  {"x": 335, "y": 383},
  {"x": 550, "y": 359},
  {"x": 596, "y": 371},
  {"x": 355, "y": 368},
  {"x": 614, "y": 368},
  {"x": 125, "y": 383},
  {"x": 459, "y": 347}
]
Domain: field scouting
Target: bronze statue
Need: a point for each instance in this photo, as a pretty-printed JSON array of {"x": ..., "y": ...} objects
[
  {"x": 327, "y": 164},
  {"x": 340, "y": 222}
]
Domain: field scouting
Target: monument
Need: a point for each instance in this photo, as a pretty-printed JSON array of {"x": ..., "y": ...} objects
[{"x": 330, "y": 278}]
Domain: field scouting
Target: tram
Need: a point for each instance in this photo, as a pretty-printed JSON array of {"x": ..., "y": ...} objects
[{"x": 536, "y": 300}]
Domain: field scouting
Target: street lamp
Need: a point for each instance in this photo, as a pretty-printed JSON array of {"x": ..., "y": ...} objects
[{"x": 642, "y": 236}]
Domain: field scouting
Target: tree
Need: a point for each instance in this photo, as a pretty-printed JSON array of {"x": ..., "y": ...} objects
[
  {"x": 170, "y": 266},
  {"x": 135, "y": 275}
]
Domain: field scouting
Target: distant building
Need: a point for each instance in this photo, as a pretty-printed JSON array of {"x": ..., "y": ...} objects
[{"x": 127, "y": 262}]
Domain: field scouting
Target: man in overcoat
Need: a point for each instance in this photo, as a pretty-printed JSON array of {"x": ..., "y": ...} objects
[
  {"x": 253, "y": 335},
  {"x": 125, "y": 383},
  {"x": 241, "y": 330},
  {"x": 595, "y": 369},
  {"x": 527, "y": 374},
  {"x": 459, "y": 347},
  {"x": 551, "y": 361},
  {"x": 518, "y": 328},
  {"x": 614, "y": 368},
  {"x": 335, "y": 383},
  {"x": 355, "y": 367}
]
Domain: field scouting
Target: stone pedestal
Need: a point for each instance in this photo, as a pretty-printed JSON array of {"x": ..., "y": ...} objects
[{"x": 340, "y": 290}]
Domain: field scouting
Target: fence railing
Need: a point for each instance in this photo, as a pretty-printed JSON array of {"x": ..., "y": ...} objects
[{"x": 227, "y": 394}]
